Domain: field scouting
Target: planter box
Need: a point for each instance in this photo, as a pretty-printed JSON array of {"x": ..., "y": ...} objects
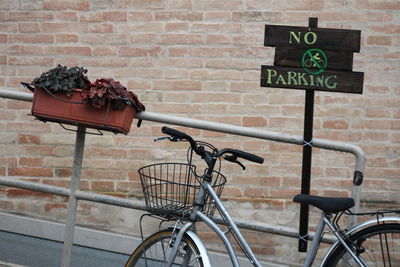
[{"x": 53, "y": 108}]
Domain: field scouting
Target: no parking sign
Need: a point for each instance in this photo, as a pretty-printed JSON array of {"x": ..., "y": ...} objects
[{"x": 312, "y": 59}]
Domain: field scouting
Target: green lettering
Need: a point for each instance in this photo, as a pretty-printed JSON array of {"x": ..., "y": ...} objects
[
  {"x": 296, "y": 37},
  {"x": 271, "y": 73},
  {"x": 332, "y": 85},
  {"x": 292, "y": 78},
  {"x": 301, "y": 80},
  {"x": 280, "y": 80},
  {"x": 320, "y": 81},
  {"x": 313, "y": 36},
  {"x": 311, "y": 80}
]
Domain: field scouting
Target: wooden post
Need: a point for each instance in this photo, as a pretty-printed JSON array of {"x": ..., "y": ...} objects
[{"x": 307, "y": 158}]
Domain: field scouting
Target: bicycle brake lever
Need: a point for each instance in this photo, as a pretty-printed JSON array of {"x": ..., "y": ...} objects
[
  {"x": 233, "y": 159},
  {"x": 170, "y": 138},
  {"x": 161, "y": 138}
]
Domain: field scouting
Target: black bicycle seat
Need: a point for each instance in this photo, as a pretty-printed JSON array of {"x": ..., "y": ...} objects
[{"x": 326, "y": 204}]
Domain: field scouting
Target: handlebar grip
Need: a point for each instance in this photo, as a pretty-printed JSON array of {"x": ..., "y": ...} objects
[
  {"x": 175, "y": 133},
  {"x": 248, "y": 156}
]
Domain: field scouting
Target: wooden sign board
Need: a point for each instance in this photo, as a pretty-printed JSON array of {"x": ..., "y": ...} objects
[
  {"x": 292, "y": 57},
  {"x": 298, "y": 78},
  {"x": 323, "y": 38}
]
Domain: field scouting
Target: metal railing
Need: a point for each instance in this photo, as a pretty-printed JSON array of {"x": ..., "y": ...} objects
[{"x": 74, "y": 194}]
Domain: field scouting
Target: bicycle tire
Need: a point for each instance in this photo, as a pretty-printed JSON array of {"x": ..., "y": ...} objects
[
  {"x": 381, "y": 245},
  {"x": 154, "y": 251}
]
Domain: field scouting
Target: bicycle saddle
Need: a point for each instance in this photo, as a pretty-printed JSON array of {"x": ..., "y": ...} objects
[{"x": 326, "y": 204}]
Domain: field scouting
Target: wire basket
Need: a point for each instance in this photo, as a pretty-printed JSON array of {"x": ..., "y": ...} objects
[{"x": 170, "y": 189}]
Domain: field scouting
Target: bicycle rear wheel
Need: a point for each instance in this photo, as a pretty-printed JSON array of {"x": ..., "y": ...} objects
[
  {"x": 378, "y": 245},
  {"x": 155, "y": 250}
]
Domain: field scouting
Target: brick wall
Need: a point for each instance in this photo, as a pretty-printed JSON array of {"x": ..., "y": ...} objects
[{"x": 198, "y": 59}]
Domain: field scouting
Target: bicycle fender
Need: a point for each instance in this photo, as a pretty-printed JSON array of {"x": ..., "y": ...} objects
[
  {"x": 200, "y": 245},
  {"x": 358, "y": 228}
]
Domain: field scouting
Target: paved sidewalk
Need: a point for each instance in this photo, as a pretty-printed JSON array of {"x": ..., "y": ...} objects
[{"x": 20, "y": 251}]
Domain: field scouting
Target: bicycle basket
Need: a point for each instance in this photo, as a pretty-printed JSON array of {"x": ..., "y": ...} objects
[{"x": 170, "y": 189}]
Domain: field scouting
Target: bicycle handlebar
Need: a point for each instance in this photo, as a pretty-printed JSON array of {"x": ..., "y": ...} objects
[
  {"x": 242, "y": 154},
  {"x": 239, "y": 153}
]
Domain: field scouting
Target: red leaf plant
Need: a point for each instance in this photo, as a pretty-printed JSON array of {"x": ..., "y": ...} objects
[{"x": 108, "y": 91}]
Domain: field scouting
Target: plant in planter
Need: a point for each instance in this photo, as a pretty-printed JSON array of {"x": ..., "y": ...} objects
[
  {"x": 59, "y": 97},
  {"x": 62, "y": 79},
  {"x": 104, "y": 91}
]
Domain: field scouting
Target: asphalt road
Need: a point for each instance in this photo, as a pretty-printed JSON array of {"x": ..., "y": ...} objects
[{"x": 35, "y": 252}]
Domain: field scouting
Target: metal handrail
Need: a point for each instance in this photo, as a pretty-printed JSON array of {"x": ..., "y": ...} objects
[
  {"x": 129, "y": 203},
  {"x": 231, "y": 129}
]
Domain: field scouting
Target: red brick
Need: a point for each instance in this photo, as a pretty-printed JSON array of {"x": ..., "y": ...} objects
[
  {"x": 63, "y": 172},
  {"x": 104, "y": 51},
  {"x": 48, "y": 207},
  {"x": 3, "y": 38},
  {"x": 22, "y": 193},
  {"x": 28, "y": 27},
  {"x": 216, "y": 97},
  {"x": 28, "y": 139},
  {"x": 8, "y": 115},
  {"x": 30, "y": 172},
  {"x": 139, "y": 4},
  {"x": 378, "y": 5},
  {"x": 379, "y": 40},
  {"x": 105, "y": 62},
  {"x": 140, "y": 16},
  {"x": 139, "y": 52},
  {"x": 336, "y": 124},
  {"x": 183, "y": 108},
  {"x": 67, "y": 38},
  {"x": 103, "y": 186},
  {"x": 144, "y": 38},
  {"x": 255, "y": 121},
  {"x": 33, "y": 162},
  {"x": 181, "y": 39},
  {"x": 65, "y": 4},
  {"x": 28, "y": 127},
  {"x": 9, "y": 27},
  {"x": 6, "y": 205},
  {"x": 60, "y": 183},
  {"x": 105, "y": 38},
  {"x": 231, "y": 191},
  {"x": 256, "y": 192},
  {"x": 104, "y": 27},
  {"x": 64, "y": 27},
  {"x": 178, "y": 85},
  {"x": 31, "y": 38},
  {"x": 115, "y": 16},
  {"x": 30, "y": 16},
  {"x": 92, "y": 174},
  {"x": 388, "y": 29},
  {"x": 67, "y": 16},
  {"x": 68, "y": 50}
]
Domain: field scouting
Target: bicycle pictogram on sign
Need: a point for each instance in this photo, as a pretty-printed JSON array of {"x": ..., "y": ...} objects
[{"x": 314, "y": 61}]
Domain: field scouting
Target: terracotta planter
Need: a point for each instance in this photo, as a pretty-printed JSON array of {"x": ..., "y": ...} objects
[{"x": 53, "y": 108}]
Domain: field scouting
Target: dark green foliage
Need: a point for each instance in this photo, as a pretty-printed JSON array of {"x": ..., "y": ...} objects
[
  {"x": 62, "y": 79},
  {"x": 104, "y": 90}
]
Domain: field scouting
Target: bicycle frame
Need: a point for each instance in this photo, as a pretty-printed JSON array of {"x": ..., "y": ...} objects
[{"x": 324, "y": 221}]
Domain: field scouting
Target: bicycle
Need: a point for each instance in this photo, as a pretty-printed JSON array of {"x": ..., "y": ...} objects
[{"x": 175, "y": 191}]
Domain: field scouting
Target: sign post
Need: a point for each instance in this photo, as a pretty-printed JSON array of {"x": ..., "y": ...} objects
[{"x": 311, "y": 59}]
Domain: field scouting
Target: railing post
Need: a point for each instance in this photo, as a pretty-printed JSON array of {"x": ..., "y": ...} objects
[{"x": 72, "y": 202}]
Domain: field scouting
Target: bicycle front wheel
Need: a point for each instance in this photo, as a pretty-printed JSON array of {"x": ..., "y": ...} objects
[
  {"x": 155, "y": 250},
  {"x": 378, "y": 245}
]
